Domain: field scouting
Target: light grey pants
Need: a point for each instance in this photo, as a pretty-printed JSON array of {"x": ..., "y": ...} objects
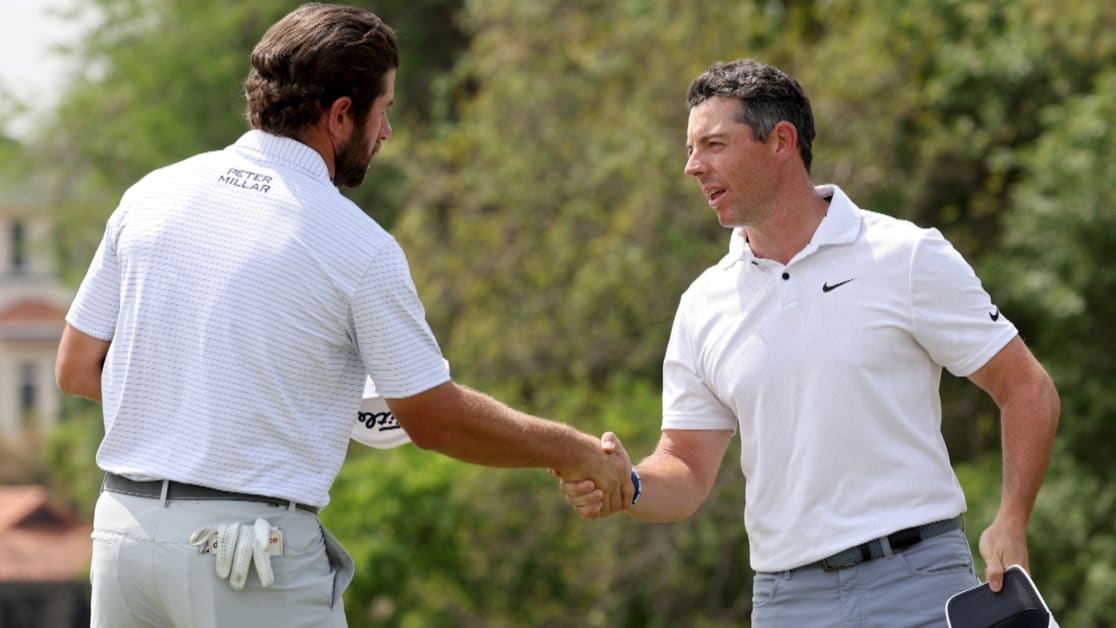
[
  {"x": 145, "y": 573},
  {"x": 903, "y": 589}
]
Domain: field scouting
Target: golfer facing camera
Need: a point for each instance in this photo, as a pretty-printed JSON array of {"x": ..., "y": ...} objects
[
  {"x": 227, "y": 323},
  {"x": 820, "y": 338}
]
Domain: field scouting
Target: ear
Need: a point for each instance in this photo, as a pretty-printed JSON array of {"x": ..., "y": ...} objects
[
  {"x": 338, "y": 119},
  {"x": 784, "y": 140}
]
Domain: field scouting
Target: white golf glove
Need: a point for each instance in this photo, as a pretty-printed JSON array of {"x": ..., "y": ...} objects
[{"x": 237, "y": 546}]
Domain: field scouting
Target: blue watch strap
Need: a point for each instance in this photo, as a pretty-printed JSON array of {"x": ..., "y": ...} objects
[{"x": 638, "y": 486}]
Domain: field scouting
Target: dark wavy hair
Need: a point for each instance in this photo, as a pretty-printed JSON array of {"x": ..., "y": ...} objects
[
  {"x": 313, "y": 56},
  {"x": 766, "y": 95}
]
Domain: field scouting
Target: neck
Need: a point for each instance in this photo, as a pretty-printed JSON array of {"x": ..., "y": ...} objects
[
  {"x": 319, "y": 139},
  {"x": 790, "y": 224}
]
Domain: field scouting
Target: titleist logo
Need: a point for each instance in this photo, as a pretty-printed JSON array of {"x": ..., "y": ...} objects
[{"x": 380, "y": 421}]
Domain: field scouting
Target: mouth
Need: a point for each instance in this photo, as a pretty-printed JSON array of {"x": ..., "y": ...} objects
[{"x": 713, "y": 194}]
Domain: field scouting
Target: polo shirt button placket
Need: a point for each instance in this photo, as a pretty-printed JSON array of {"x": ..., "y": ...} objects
[{"x": 787, "y": 294}]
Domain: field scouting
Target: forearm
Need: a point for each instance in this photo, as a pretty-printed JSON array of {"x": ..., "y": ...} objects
[
  {"x": 88, "y": 386},
  {"x": 476, "y": 428},
  {"x": 1029, "y": 422},
  {"x": 79, "y": 363},
  {"x": 672, "y": 491}
]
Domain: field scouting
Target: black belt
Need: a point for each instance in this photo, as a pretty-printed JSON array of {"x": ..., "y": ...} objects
[
  {"x": 177, "y": 490},
  {"x": 897, "y": 540}
]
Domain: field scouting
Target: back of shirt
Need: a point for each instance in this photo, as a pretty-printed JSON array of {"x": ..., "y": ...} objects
[{"x": 245, "y": 299}]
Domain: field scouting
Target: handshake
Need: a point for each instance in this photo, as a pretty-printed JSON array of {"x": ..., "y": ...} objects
[{"x": 591, "y": 500}]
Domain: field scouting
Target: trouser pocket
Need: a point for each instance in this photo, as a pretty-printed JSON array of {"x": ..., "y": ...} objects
[{"x": 341, "y": 563}]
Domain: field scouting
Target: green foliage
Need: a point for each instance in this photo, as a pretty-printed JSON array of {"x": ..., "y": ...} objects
[
  {"x": 1062, "y": 231},
  {"x": 161, "y": 80},
  {"x": 565, "y": 166},
  {"x": 388, "y": 507},
  {"x": 1070, "y": 530},
  {"x": 70, "y": 456}
]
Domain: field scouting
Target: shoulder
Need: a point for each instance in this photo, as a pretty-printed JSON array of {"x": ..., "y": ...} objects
[
  {"x": 351, "y": 223},
  {"x": 888, "y": 235},
  {"x": 174, "y": 174},
  {"x": 883, "y": 226},
  {"x": 711, "y": 282}
]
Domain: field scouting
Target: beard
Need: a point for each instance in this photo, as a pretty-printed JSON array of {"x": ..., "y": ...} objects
[{"x": 351, "y": 163}]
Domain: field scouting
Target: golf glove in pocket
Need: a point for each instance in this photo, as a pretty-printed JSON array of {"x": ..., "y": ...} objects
[{"x": 237, "y": 546}]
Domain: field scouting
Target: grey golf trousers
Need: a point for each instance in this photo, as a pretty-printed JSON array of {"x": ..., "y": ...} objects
[
  {"x": 904, "y": 589},
  {"x": 145, "y": 574}
]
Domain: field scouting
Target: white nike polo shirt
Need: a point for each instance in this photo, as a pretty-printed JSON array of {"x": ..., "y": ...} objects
[{"x": 829, "y": 368}]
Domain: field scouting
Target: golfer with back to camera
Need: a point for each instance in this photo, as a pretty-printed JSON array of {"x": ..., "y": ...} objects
[
  {"x": 820, "y": 338},
  {"x": 227, "y": 323}
]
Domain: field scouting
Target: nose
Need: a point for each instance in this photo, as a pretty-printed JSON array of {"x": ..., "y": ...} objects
[
  {"x": 385, "y": 129},
  {"x": 694, "y": 165}
]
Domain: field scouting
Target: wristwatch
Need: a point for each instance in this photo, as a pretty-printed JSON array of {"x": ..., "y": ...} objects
[{"x": 638, "y": 486}]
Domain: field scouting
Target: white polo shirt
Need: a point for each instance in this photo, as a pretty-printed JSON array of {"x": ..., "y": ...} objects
[
  {"x": 829, "y": 369},
  {"x": 246, "y": 299}
]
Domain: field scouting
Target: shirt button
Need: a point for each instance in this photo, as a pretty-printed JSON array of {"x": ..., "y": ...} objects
[{"x": 786, "y": 275}]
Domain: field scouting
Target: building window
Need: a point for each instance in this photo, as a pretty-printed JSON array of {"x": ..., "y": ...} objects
[
  {"x": 28, "y": 389},
  {"x": 18, "y": 247}
]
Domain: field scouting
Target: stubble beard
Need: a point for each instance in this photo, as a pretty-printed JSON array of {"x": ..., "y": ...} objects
[{"x": 351, "y": 163}]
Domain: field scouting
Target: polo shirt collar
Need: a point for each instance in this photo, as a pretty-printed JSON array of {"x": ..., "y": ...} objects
[
  {"x": 841, "y": 225},
  {"x": 285, "y": 149}
]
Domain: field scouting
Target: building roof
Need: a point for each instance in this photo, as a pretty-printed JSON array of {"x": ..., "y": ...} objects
[
  {"x": 39, "y": 540},
  {"x": 31, "y": 311}
]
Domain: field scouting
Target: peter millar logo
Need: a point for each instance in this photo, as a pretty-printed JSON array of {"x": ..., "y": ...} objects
[{"x": 247, "y": 180}]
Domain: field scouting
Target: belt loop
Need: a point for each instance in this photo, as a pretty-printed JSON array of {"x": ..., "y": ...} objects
[
  {"x": 291, "y": 506},
  {"x": 885, "y": 545},
  {"x": 163, "y": 495}
]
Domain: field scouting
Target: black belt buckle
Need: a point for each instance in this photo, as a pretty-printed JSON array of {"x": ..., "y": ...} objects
[
  {"x": 828, "y": 566},
  {"x": 848, "y": 558}
]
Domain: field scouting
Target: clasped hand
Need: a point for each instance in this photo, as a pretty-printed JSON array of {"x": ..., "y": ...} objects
[{"x": 591, "y": 500}]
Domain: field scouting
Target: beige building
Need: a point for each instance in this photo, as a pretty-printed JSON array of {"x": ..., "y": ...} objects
[{"x": 33, "y": 304}]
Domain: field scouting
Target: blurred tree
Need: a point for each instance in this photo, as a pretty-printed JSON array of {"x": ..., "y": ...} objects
[
  {"x": 559, "y": 189},
  {"x": 560, "y": 167},
  {"x": 71, "y": 455},
  {"x": 161, "y": 80},
  {"x": 1055, "y": 268}
]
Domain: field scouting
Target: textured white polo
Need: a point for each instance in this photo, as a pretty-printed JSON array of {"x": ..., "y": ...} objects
[
  {"x": 829, "y": 369},
  {"x": 246, "y": 299}
]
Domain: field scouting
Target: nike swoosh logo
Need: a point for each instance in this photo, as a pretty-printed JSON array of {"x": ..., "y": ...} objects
[
  {"x": 826, "y": 287},
  {"x": 994, "y": 315}
]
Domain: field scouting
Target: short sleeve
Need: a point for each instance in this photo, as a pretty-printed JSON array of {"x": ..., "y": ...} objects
[
  {"x": 96, "y": 305},
  {"x": 396, "y": 344},
  {"x": 954, "y": 318},
  {"x": 688, "y": 402}
]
